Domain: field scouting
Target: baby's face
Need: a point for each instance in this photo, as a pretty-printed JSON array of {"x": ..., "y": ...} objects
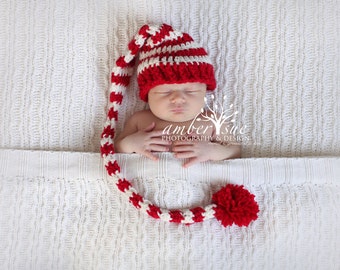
[{"x": 177, "y": 102}]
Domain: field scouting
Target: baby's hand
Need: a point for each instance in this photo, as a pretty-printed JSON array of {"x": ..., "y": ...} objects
[
  {"x": 194, "y": 151},
  {"x": 199, "y": 151},
  {"x": 147, "y": 141}
]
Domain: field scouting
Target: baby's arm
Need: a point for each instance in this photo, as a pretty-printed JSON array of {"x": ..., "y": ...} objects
[
  {"x": 146, "y": 141},
  {"x": 199, "y": 151}
]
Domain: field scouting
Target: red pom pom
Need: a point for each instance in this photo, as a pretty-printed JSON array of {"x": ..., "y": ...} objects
[{"x": 234, "y": 204}]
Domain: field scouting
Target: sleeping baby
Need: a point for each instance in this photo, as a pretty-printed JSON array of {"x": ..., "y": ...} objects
[{"x": 173, "y": 75}]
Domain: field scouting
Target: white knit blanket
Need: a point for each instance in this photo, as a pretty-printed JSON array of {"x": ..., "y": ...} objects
[
  {"x": 59, "y": 210},
  {"x": 276, "y": 61}
]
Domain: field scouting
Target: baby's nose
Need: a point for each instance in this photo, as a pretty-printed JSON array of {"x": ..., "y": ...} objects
[{"x": 177, "y": 96}]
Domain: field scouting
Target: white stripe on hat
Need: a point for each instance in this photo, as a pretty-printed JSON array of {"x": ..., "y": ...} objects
[
  {"x": 118, "y": 88},
  {"x": 175, "y": 48},
  {"x": 173, "y": 35},
  {"x": 119, "y": 71},
  {"x": 155, "y": 61}
]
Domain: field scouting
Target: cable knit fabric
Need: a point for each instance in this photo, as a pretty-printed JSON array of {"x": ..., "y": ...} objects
[
  {"x": 277, "y": 62},
  {"x": 59, "y": 210}
]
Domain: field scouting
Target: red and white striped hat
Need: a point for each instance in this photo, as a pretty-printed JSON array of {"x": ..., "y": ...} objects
[
  {"x": 165, "y": 56},
  {"x": 168, "y": 56}
]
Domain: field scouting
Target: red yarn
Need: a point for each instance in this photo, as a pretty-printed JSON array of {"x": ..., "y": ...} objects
[
  {"x": 112, "y": 168},
  {"x": 108, "y": 132},
  {"x": 154, "y": 211},
  {"x": 176, "y": 216},
  {"x": 198, "y": 214},
  {"x": 143, "y": 30},
  {"x": 133, "y": 47},
  {"x": 116, "y": 97},
  {"x": 235, "y": 205},
  {"x": 112, "y": 114},
  {"x": 120, "y": 79},
  {"x": 107, "y": 149},
  {"x": 121, "y": 62},
  {"x": 136, "y": 199},
  {"x": 123, "y": 185}
]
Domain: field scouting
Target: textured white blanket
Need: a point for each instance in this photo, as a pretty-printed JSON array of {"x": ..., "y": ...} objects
[
  {"x": 277, "y": 61},
  {"x": 59, "y": 210}
]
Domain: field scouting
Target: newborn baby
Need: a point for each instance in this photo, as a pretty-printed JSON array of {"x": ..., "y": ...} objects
[
  {"x": 177, "y": 106},
  {"x": 174, "y": 74}
]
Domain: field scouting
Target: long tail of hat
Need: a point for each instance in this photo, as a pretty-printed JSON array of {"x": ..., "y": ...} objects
[
  {"x": 120, "y": 79},
  {"x": 232, "y": 204}
]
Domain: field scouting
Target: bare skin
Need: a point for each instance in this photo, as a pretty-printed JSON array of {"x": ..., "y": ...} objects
[{"x": 170, "y": 125}]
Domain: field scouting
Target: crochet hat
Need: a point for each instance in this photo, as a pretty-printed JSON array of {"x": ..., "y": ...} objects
[{"x": 166, "y": 56}]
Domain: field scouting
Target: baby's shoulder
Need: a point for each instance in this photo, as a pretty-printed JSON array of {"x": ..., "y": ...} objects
[{"x": 142, "y": 115}]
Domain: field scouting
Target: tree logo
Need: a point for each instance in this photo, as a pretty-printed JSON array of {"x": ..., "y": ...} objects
[{"x": 217, "y": 114}]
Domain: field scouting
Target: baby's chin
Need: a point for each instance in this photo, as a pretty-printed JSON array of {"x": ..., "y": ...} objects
[
  {"x": 173, "y": 116},
  {"x": 179, "y": 118}
]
